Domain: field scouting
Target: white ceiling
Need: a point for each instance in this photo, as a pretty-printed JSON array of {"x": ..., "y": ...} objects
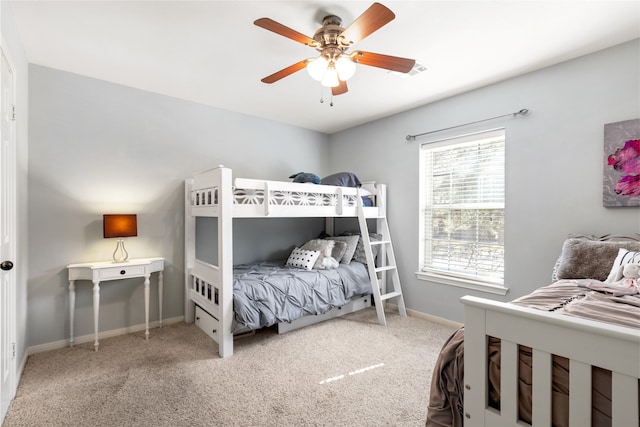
[{"x": 210, "y": 52}]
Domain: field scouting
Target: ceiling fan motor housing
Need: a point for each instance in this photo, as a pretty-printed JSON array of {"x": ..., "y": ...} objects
[{"x": 328, "y": 38}]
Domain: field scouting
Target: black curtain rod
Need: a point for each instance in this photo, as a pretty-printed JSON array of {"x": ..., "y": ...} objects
[{"x": 522, "y": 112}]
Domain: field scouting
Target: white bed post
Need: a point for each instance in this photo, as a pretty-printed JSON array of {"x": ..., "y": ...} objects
[
  {"x": 225, "y": 261},
  {"x": 329, "y": 226},
  {"x": 475, "y": 364},
  {"x": 189, "y": 251},
  {"x": 381, "y": 203}
]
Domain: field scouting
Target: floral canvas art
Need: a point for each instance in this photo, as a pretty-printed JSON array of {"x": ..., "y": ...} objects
[{"x": 621, "y": 176}]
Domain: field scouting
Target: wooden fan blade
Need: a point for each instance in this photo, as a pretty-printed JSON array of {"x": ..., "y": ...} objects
[
  {"x": 371, "y": 20},
  {"x": 285, "y": 72},
  {"x": 340, "y": 89},
  {"x": 393, "y": 63},
  {"x": 278, "y": 28}
]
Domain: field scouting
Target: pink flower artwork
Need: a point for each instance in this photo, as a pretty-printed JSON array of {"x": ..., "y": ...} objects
[
  {"x": 621, "y": 164},
  {"x": 627, "y": 161}
]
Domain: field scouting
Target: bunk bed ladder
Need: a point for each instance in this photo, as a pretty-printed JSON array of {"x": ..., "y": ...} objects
[{"x": 386, "y": 262}]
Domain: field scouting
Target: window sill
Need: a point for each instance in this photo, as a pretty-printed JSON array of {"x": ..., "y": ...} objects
[{"x": 462, "y": 283}]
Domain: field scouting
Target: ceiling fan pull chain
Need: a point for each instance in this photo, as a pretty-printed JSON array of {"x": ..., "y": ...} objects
[
  {"x": 331, "y": 103},
  {"x": 321, "y": 95}
]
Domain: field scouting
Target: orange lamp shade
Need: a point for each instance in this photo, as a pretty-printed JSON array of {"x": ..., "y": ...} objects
[{"x": 120, "y": 225}]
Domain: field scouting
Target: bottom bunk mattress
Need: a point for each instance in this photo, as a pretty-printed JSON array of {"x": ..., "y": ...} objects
[
  {"x": 268, "y": 293},
  {"x": 565, "y": 297}
]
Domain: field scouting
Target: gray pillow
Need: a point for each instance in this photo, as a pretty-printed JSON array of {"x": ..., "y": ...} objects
[
  {"x": 341, "y": 179},
  {"x": 359, "y": 254},
  {"x": 582, "y": 258},
  {"x": 339, "y": 248},
  {"x": 352, "y": 242}
]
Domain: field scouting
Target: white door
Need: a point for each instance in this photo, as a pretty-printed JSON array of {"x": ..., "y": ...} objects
[{"x": 7, "y": 238}]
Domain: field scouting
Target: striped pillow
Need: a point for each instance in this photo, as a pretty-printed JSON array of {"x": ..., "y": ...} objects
[{"x": 624, "y": 257}]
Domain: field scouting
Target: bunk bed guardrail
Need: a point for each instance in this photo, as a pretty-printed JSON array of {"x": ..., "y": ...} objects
[{"x": 253, "y": 198}]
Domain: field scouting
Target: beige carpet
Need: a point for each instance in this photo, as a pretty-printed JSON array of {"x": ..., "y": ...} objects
[{"x": 344, "y": 372}]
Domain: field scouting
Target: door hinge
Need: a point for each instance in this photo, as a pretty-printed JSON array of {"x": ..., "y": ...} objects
[
  {"x": 13, "y": 113},
  {"x": 13, "y": 356}
]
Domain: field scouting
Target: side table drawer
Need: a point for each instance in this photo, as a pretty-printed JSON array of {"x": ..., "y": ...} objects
[{"x": 121, "y": 272}]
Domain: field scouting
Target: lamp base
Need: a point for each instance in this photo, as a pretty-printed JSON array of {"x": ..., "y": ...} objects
[{"x": 120, "y": 254}]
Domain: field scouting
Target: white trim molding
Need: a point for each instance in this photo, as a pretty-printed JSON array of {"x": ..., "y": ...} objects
[
  {"x": 102, "y": 335},
  {"x": 462, "y": 283},
  {"x": 434, "y": 319},
  {"x": 431, "y": 318}
]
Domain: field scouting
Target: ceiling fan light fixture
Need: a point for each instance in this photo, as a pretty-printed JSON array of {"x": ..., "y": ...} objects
[
  {"x": 335, "y": 65},
  {"x": 330, "y": 77},
  {"x": 346, "y": 68},
  {"x": 317, "y": 68}
]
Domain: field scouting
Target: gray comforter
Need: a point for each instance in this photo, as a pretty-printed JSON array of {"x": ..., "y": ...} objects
[{"x": 268, "y": 293}]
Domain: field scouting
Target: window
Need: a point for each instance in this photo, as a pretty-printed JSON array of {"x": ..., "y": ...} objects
[{"x": 462, "y": 210}]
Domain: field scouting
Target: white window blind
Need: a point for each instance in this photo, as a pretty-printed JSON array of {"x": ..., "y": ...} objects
[{"x": 462, "y": 207}]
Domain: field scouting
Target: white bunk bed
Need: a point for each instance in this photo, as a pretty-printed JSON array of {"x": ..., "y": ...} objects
[
  {"x": 214, "y": 193},
  {"x": 567, "y": 354}
]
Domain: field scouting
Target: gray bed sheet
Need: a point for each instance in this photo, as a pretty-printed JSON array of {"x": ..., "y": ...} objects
[{"x": 268, "y": 293}]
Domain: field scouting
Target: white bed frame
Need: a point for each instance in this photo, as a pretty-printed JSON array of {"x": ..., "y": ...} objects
[
  {"x": 211, "y": 194},
  {"x": 585, "y": 343}
]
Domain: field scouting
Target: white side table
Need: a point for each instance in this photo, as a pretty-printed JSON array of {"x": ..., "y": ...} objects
[{"x": 104, "y": 271}]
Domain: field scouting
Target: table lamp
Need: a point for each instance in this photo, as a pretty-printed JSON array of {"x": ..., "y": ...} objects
[{"x": 120, "y": 225}]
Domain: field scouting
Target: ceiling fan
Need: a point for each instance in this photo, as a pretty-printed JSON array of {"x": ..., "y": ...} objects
[{"x": 335, "y": 66}]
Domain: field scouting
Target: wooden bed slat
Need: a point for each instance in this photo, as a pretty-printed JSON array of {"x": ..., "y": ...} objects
[
  {"x": 579, "y": 394},
  {"x": 541, "y": 388},
  {"x": 208, "y": 272},
  {"x": 509, "y": 381},
  {"x": 475, "y": 362},
  {"x": 624, "y": 400},
  {"x": 210, "y": 211}
]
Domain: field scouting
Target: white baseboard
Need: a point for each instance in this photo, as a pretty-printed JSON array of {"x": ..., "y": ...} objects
[
  {"x": 434, "y": 319},
  {"x": 21, "y": 367},
  {"x": 137, "y": 328},
  {"x": 429, "y": 317},
  {"x": 102, "y": 335}
]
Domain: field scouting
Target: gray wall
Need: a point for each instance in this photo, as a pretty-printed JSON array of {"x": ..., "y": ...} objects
[
  {"x": 554, "y": 163},
  {"x": 13, "y": 47},
  {"x": 98, "y": 147}
]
